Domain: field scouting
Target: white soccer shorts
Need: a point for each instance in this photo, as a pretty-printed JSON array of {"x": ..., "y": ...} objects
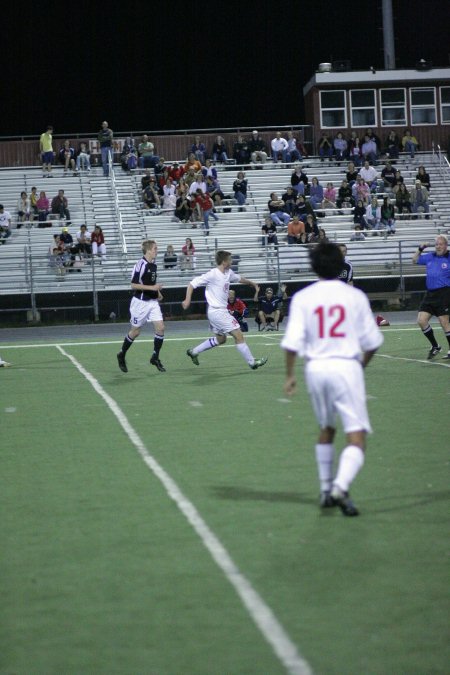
[
  {"x": 143, "y": 311},
  {"x": 221, "y": 321},
  {"x": 336, "y": 387}
]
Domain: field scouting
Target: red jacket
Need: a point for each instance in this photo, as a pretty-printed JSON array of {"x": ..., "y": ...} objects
[
  {"x": 204, "y": 201},
  {"x": 237, "y": 306}
]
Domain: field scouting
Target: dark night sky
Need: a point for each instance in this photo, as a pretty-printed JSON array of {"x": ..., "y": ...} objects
[{"x": 157, "y": 66}]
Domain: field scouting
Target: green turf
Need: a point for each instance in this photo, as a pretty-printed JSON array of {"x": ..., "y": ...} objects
[{"x": 100, "y": 572}]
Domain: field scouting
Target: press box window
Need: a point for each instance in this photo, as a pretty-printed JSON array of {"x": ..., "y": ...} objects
[
  {"x": 332, "y": 109},
  {"x": 393, "y": 107},
  {"x": 445, "y": 105},
  {"x": 363, "y": 109},
  {"x": 423, "y": 106}
]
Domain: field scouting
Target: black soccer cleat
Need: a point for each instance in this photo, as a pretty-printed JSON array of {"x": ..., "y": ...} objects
[
  {"x": 433, "y": 351},
  {"x": 157, "y": 363},
  {"x": 344, "y": 502},
  {"x": 122, "y": 363},
  {"x": 326, "y": 500}
]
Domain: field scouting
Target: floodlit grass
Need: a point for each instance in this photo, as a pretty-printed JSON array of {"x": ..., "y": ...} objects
[{"x": 102, "y": 574}]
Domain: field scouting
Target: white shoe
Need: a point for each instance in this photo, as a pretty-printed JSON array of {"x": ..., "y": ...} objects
[{"x": 4, "y": 364}]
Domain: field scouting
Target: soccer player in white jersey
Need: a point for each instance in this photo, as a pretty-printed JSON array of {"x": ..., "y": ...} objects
[
  {"x": 217, "y": 282},
  {"x": 332, "y": 327}
]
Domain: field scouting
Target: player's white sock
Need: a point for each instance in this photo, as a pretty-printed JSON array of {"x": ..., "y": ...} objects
[
  {"x": 350, "y": 463},
  {"x": 324, "y": 459},
  {"x": 207, "y": 344},
  {"x": 244, "y": 349}
]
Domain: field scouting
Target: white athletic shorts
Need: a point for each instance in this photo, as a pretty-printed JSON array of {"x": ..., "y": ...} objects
[
  {"x": 142, "y": 311},
  {"x": 336, "y": 387},
  {"x": 221, "y": 321}
]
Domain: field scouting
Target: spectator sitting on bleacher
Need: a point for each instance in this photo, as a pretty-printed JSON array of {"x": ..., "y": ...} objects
[
  {"x": 146, "y": 152},
  {"x": 240, "y": 189},
  {"x": 373, "y": 137},
  {"x": 238, "y": 309},
  {"x": 23, "y": 209},
  {"x": 316, "y": 194},
  {"x": 145, "y": 180},
  {"x": 424, "y": 177},
  {"x": 311, "y": 229},
  {"x": 170, "y": 258},
  {"x": 293, "y": 149},
  {"x": 317, "y": 238},
  {"x": 187, "y": 260},
  {"x": 279, "y": 147},
  {"x": 295, "y": 229},
  {"x": 190, "y": 177},
  {"x": 399, "y": 180},
  {"x": 360, "y": 190},
  {"x": 151, "y": 196},
  {"x": 329, "y": 196},
  {"x": 66, "y": 157},
  {"x": 269, "y": 308},
  {"x": 388, "y": 216},
  {"x": 269, "y": 232},
  {"x": 354, "y": 149},
  {"x": 359, "y": 212},
  {"x": 60, "y": 206},
  {"x": 241, "y": 153},
  {"x": 183, "y": 210},
  {"x": 410, "y": 143},
  {"x": 209, "y": 169},
  {"x": 370, "y": 175},
  {"x": 83, "y": 158},
  {"x": 303, "y": 208},
  {"x": 369, "y": 150},
  {"x": 33, "y": 203},
  {"x": 344, "y": 196},
  {"x": 214, "y": 191},
  {"x": 5, "y": 224},
  {"x": 276, "y": 210},
  {"x": 403, "y": 199},
  {"x": 351, "y": 174},
  {"x": 192, "y": 163},
  {"x": 290, "y": 199},
  {"x": 373, "y": 215},
  {"x": 299, "y": 179},
  {"x": 419, "y": 198},
  {"x": 198, "y": 183},
  {"x": 161, "y": 180},
  {"x": 66, "y": 242},
  {"x": 199, "y": 150},
  {"x": 358, "y": 234},
  {"x": 58, "y": 257},
  {"x": 392, "y": 145},
  {"x": 43, "y": 206},
  {"x": 176, "y": 172},
  {"x": 257, "y": 149},
  {"x": 98, "y": 242},
  {"x": 388, "y": 176},
  {"x": 325, "y": 147},
  {"x": 169, "y": 197},
  {"x": 340, "y": 147},
  {"x": 219, "y": 150},
  {"x": 128, "y": 156},
  {"x": 83, "y": 246}
]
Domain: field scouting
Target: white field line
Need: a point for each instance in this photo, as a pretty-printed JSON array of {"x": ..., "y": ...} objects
[{"x": 262, "y": 615}]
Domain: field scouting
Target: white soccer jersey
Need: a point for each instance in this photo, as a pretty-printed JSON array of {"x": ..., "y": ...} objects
[
  {"x": 217, "y": 286},
  {"x": 329, "y": 320}
]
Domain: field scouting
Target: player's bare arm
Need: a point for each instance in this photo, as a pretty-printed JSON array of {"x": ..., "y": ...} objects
[
  {"x": 187, "y": 301},
  {"x": 367, "y": 356}
]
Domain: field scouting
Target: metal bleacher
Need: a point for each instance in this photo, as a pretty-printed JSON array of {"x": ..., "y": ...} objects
[{"x": 116, "y": 205}]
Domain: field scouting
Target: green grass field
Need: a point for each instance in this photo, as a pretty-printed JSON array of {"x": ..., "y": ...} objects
[{"x": 102, "y": 573}]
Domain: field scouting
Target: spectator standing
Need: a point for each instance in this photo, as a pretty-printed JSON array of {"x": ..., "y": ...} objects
[
  {"x": 437, "y": 298},
  {"x": 46, "y": 150},
  {"x": 293, "y": 149},
  {"x": 60, "y": 206},
  {"x": 105, "y": 138},
  {"x": 330, "y": 325},
  {"x": 204, "y": 202},
  {"x": 145, "y": 305},
  {"x": 217, "y": 282},
  {"x": 279, "y": 147},
  {"x": 5, "y": 224},
  {"x": 98, "y": 242}
]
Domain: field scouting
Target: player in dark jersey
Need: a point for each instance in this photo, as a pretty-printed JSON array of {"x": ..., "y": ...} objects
[
  {"x": 347, "y": 273},
  {"x": 144, "y": 305}
]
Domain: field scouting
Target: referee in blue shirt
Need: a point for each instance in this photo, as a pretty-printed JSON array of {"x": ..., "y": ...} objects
[{"x": 437, "y": 298}]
